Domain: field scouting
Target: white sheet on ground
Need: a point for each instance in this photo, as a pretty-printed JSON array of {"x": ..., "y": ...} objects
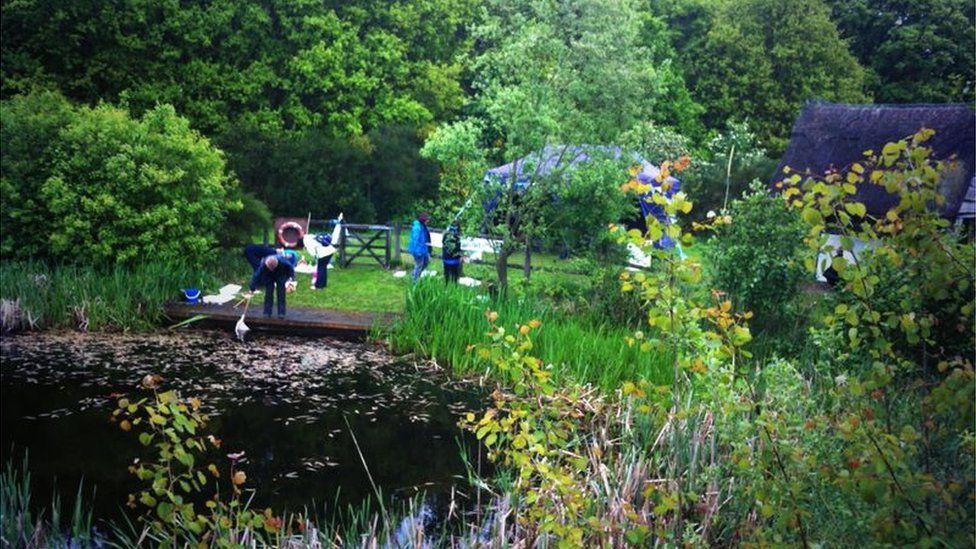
[
  {"x": 219, "y": 299},
  {"x": 230, "y": 289}
]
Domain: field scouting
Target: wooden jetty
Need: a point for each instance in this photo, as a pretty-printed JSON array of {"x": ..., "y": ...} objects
[{"x": 299, "y": 321}]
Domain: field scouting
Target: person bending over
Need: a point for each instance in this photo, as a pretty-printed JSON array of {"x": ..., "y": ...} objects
[
  {"x": 254, "y": 253},
  {"x": 274, "y": 273}
]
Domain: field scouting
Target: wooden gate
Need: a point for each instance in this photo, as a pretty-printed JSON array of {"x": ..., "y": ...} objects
[{"x": 368, "y": 241}]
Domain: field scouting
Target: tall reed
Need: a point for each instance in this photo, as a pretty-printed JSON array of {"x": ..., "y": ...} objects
[
  {"x": 20, "y": 527},
  {"x": 39, "y": 296},
  {"x": 443, "y": 321}
]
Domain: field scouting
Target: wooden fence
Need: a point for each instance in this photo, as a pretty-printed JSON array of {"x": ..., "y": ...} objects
[{"x": 380, "y": 243}]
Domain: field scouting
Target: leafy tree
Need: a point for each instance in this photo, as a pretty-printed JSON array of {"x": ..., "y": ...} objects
[
  {"x": 302, "y": 71},
  {"x": 375, "y": 177},
  {"x": 760, "y": 60},
  {"x": 348, "y": 67},
  {"x": 110, "y": 188},
  {"x": 917, "y": 51},
  {"x": 899, "y": 339},
  {"x": 567, "y": 73}
]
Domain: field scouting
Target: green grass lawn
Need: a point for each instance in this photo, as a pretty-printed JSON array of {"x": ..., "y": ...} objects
[{"x": 355, "y": 288}]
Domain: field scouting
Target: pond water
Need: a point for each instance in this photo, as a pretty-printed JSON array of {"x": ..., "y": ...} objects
[{"x": 280, "y": 400}]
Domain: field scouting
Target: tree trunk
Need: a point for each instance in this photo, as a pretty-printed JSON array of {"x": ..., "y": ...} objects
[
  {"x": 501, "y": 267},
  {"x": 527, "y": 264}
]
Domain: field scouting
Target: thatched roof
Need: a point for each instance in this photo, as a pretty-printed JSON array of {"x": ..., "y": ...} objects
[{"x": 831, "y": 135}]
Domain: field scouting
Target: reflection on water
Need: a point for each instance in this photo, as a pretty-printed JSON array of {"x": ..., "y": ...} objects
[{"x": 280, "y": 400}]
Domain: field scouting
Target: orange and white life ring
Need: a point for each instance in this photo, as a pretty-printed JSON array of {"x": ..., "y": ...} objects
[{"x": 290, "y": 240}]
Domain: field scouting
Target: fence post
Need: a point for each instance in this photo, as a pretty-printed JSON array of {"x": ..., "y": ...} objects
[
  {"x": 266, "y": 231},
  {"x": 389, "y": 233},
  {"x": 396, "y": 242},
  {"x": 342, "y": 247}
]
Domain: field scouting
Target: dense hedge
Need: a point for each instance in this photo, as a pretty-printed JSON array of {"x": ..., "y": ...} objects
[{"x": 83, "y": 184}]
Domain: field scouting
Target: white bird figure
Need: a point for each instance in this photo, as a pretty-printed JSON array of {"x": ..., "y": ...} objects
[{"x": 241, "y": 329}]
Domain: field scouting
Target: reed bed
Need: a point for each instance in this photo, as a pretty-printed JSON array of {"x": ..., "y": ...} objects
[
  {"x": 443, "y": 321},
  {"x": 39, "y": 296},
  {"x": 23, "y": 526}
]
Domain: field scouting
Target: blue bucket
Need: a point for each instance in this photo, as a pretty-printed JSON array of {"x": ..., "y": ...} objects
[{"x": 192, "y": 295}]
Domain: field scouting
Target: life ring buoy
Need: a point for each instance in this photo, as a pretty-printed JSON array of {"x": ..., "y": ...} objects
[{"x": 290, "y": 240}]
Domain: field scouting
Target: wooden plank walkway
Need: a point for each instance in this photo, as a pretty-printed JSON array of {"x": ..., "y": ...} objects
[{"x": 300, "y": 321}]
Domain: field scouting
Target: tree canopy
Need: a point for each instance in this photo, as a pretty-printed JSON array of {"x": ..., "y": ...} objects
[
  {"x": 916, "y": 51},
  {"x": 760, "y": 60}
]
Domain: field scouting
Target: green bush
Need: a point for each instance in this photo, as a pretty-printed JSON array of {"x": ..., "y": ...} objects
[
  {"x": 755, "y": 257},
  {"x": 29, "y": 129},
  {"x": 93, "y": 184}
]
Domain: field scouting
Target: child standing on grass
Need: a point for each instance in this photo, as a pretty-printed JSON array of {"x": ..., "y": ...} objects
[
  {"x": 452, "y": 252},
  {"x": 419, "y": 246},
  {"x": 321, "y": 247}
]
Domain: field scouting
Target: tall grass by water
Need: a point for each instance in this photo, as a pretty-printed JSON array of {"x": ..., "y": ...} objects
[
  {"x": 23, "y": 526},
  {"x": 39, "y": 296},
  {"x": 443, "y": 321}
]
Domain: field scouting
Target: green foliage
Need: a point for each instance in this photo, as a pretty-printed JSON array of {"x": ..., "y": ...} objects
[
  {"x": 292, "y": 90},
  {"x": 344, "y": 67},
  {"x": 656, "y": 143},
  {"x": 756, "y": 259},
  {"x": 29, "y": 132},
  {"x": 253, "y": 218},
  {"x": 175, "y": 476},
  {"x": 114, "y": 189},
  {"x": 20, "y": 527},
  {"x": 916, "y": 51},
  {"x": 86, "y": 297},
  {"x": 575, "y": 212},
  {"x": 572, "y": 74},
  {"x": 457, "y": 148},
  {"x": 760, "y": 60},
  {"x": 730, "y": 160},
  {"x": 371, "y": 178},
  {"x": 442, "y": 322},
  {"x": 540, "y": 433},
  {"x": 899, "y": 339}
]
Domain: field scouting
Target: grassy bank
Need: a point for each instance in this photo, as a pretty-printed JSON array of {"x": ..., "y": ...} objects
[
  {"x": 443, "y": 321},
  {"x": 40, "y": 296}
]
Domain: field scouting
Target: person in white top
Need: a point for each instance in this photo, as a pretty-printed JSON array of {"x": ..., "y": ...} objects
[{"x": 321, "y": 247}]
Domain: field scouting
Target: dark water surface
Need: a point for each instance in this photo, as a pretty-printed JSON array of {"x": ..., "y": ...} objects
[{"x": 280, "y": 400}]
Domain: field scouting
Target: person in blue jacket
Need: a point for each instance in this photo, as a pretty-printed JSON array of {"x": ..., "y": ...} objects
[
  {"x": 274, "y": 273},
  {"x": 419, "y": 246}
]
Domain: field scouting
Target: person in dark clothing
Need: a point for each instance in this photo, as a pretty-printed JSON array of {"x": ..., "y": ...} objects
[
  {"x": 322, "y": 263},
  {"x": 452, "y": 252},
  {"x": 254, "y": 253},
  {"x": 274, "y": 273}
]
